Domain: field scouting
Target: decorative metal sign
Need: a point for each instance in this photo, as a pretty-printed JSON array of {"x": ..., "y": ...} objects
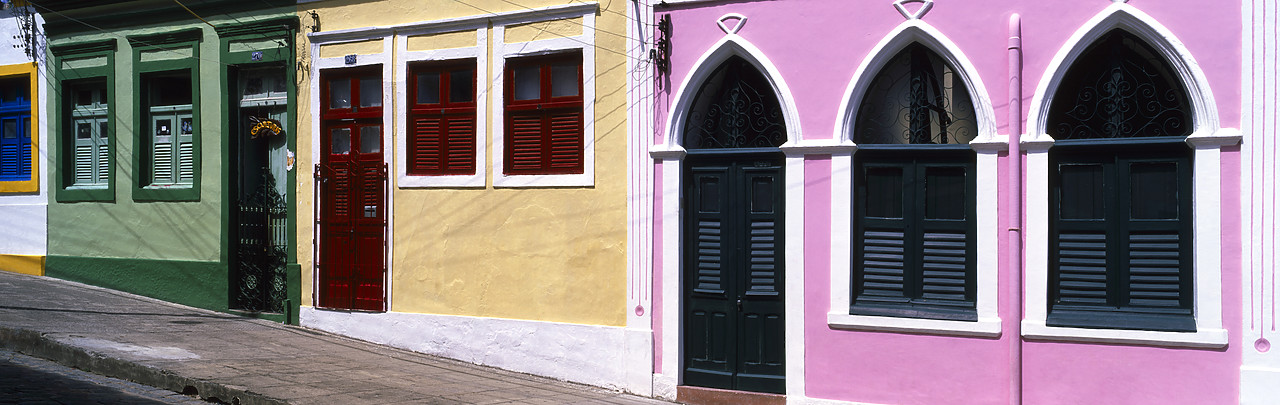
[{"x": 264, "y": 127}]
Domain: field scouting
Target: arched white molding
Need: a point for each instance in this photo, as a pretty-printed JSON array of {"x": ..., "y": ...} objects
[
  {"x": 987, "y": 148},
  {"x": 913, "y": 31},
  {"x": 1206, "y": 140},
  {"x": 670, "y": 157},
  {"x": 730, "y": 45},
  {"x": 1138, "y": 23}
]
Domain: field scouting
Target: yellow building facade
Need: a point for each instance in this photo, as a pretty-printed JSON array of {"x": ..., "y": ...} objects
[{"x": 487, "y": 225}]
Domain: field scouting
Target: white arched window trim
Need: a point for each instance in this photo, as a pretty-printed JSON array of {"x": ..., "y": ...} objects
[
  {"x": 1207, "y": 139},
  {"x": 987, "y": 146},
  {"x": 670, "y": 157}
]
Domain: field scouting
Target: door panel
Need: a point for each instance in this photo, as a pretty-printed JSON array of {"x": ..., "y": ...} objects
[
  {"x": 354, "y": 186},
  {"x": 734, "y": 274}
]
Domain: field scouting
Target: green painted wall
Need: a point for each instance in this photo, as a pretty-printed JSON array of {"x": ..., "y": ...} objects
[
  {"x": 135, "y": 241},
  {"x": 126, "y": 228},
  {"x": 198, "y": 284}
]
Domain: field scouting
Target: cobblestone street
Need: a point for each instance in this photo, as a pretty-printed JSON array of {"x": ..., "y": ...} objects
[{"x": 28, "y": 380}]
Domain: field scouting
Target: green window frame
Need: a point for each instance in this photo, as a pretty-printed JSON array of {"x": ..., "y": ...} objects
[
  {"x": 78, "y": 66},
  {"x": 166, "y": 154}
]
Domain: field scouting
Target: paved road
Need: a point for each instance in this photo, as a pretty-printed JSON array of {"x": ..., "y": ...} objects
[{"x": 28, "y": 380}]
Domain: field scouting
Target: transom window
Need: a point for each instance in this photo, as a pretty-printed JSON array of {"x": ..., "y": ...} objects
[
  {"x": 1121, "y": 237},
  {"x": 735, "y": 109},
  {"x": 914, "y": 206}
]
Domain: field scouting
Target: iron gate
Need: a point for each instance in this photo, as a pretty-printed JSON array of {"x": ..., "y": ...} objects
[{"x": 261, "y": 249}]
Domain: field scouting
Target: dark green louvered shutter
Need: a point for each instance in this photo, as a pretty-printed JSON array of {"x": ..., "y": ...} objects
[
  {"x": 1121, "y": 237},
  {"x": 914, "y": 252}
]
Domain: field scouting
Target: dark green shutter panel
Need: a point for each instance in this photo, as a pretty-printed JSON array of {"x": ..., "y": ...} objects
[
  {"x": 1082, "y": 271},
  {"x": 709, "y": 227},
  {"x": 1154, "y": 269}
]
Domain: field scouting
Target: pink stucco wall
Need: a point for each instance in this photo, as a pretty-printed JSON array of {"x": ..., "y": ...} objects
[{"x": 818, "y": 44}]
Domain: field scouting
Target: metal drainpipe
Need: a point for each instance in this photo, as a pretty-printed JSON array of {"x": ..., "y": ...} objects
[{"x": 1015, "y": 208}]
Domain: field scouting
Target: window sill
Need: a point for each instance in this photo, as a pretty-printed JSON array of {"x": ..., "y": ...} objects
[
  {"x": 172, "y": 193},
  {"x": 1202, "y": 338},
  {"x": 442, "y": 181},
  {"x": 983, "y": 327},
  {"x": 544, "y": 180}
]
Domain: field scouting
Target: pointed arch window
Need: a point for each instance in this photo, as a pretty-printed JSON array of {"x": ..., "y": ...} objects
[
  {"x": 1120, "y": 229},
  {"x": 736, "y": 108},
  {"x": 914, "y": 192}
]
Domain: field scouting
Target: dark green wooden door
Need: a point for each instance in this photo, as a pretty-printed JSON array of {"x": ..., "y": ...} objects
[{"x": 733, "y": 273}]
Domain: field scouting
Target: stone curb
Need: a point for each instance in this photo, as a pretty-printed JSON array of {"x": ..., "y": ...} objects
[{"x": 35, "y": 344}]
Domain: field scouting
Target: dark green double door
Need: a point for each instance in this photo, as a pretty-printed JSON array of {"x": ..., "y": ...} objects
[{"x": 733, "y": 272}]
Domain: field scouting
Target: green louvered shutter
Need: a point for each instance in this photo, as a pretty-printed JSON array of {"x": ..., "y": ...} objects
[
  {"x": 1121, "y": 246},
  {"x": 914, "y": 252}
]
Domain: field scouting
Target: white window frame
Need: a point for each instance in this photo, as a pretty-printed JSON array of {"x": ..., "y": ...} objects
[
  {"x": 318, "y": 64},
  {"x": 1207, "y": 139},
  {"x": 502, "y": 51},
  {"x": 406, "y": 57},
  {"x": 987, "y": 145}
]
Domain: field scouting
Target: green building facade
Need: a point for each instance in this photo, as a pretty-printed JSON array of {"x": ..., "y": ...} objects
[{"x": 171, "y": 147}]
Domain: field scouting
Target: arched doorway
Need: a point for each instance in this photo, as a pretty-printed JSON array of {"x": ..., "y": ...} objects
[{"x": 733, "y": 206}]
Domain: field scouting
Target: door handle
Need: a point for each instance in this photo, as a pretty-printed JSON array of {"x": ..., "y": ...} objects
[{"x": 739, "y": 304}]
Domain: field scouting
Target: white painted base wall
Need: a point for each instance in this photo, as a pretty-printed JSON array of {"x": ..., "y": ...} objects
[
  {"x": 25, "y": 228},
  {"x": 606, "y": 356},
  {"x": 1258, "y": 385}
]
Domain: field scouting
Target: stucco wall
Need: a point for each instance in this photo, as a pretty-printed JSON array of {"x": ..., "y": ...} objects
[
  {"x": 817, "y": 46},
  {"x": 549, "y": 254}
]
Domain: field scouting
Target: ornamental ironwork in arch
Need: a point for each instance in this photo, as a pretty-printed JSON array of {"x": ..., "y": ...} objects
[
  {"x": 735, "y": 108},
  {"x": 1120, "y": 87},
  {"x": 916, "y": 98}
]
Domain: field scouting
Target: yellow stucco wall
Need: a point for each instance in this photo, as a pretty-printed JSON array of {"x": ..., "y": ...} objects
[{"x": 547, "y": 254}]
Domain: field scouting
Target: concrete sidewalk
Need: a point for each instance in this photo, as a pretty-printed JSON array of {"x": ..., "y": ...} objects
[{"x": 247, "y": 361}]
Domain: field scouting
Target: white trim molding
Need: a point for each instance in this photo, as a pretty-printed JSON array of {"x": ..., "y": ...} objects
[
  {"x": 502, "y": 50},
  {"x": 406, "y": 57},
  {"x": 670, "y": 157},
  {"x": 842, "y": 164},
  {"x": 1259, "y": 169},
  {"x": 1207, "y": 139}
]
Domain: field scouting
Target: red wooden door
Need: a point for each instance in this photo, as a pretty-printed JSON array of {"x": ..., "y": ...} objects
[{"x": 353, "y": 184}]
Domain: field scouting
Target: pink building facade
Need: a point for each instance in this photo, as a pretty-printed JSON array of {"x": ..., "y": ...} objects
[{"x": 830, "y": 212}]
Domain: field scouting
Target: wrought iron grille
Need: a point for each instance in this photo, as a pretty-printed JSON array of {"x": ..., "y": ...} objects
[
  {"x": 1119, "y": 88},
  {"x": 261, "y": 249},
  {"x": 735, "y": 108},
  {"x": 917, "y": 98}
]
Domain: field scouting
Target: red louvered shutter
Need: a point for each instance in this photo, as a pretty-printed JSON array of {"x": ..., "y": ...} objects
[
  {"x": 442, "y": 112},
  {"x": 460, "y": 156},
  {"x": 424, "y": 146},
  {"x": 566, "y": 142},
  {"x": 544, "y": 116},
  {"x": 524, "y": 142}
]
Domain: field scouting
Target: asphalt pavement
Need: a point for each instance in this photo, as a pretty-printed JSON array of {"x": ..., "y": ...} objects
[{"x": 233, "y": 359}]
